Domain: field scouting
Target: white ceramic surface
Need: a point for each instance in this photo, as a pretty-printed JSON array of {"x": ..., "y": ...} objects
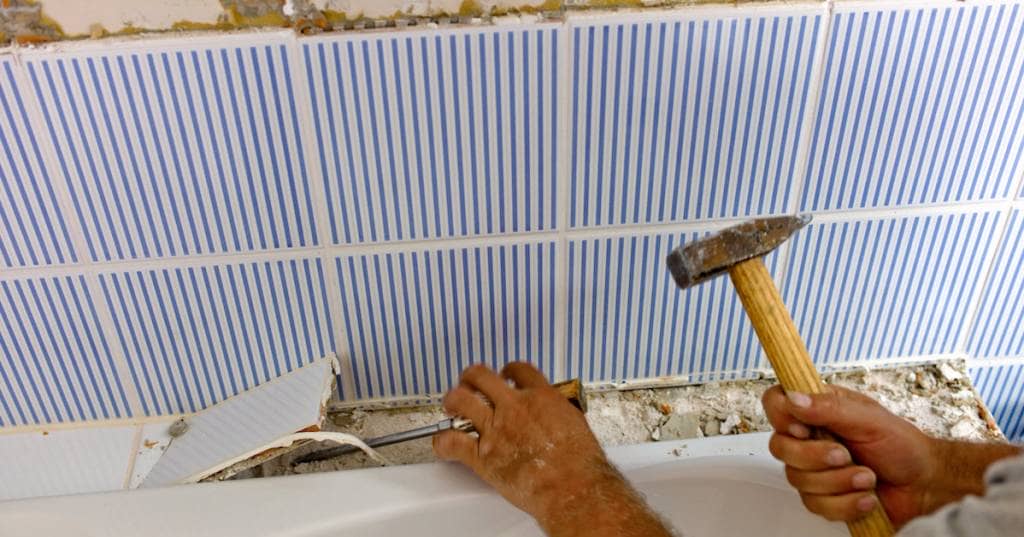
[{"x": 721, "y": 486}]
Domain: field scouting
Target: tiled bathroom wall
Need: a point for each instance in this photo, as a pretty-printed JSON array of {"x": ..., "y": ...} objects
[{"x": 182, "y": 219}]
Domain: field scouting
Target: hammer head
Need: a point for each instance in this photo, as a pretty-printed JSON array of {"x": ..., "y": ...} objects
[{"x": 710, "y": 256}]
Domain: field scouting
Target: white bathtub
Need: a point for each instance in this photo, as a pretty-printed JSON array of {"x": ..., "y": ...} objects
[{"x": 722, "y": 486}]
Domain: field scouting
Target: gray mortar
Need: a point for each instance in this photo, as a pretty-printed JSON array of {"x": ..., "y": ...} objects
[
  {"x": 937, "y": 397},
  {"x": 21, "y": 18},
  {"x": 254, "y": 8}
]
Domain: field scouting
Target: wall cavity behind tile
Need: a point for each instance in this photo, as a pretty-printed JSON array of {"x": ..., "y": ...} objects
[{"x": 185, "y": 217}]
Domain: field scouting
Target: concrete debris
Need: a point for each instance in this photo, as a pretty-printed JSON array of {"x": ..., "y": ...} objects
[
  {"x": 730, "y": 423},
  {"x": 949, "y": 374},
  {"x": 947, "y": 406},
  {"x": 963, "y": 430},
  {"x": 679, "y": 426},
  {"x": 23, "y": 21},
  {"x": 254, "y": 9},
  {"x": 925, "y": 380}
]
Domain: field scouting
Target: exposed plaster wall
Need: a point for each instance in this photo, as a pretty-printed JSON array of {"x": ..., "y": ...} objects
[
  {"x": 78, "y": 18},
  {"x": 36, "y": 21}
]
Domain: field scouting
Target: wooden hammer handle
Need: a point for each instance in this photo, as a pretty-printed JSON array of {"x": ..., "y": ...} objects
[{"x": 790, "y": 360}]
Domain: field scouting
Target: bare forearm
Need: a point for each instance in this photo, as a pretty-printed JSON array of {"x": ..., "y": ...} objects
[
  {"x": 960, "y": 470},
  {"x": 605, "y": 505}
]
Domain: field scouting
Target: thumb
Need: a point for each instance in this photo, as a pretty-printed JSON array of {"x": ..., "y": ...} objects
[{"x": 844, "y": 412}]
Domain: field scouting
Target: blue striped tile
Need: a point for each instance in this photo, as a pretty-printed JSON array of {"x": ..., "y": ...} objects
[
  {"x": 1002, "y": 388},
  {"x": 894, "y": 287},
  {"x": 627, "y": 319},
  {"x": 440, "y": 134},
  {"x": 688, "y": 118},
  {"x": 415, "y": 319},
  {"x": 55, "y": 363},
  {"x": 33, "y": 231},
  {"x": 918, "y": 106},
  {"x": 998, "y": 328},
  {"x": 176, "y": 151},
  {"x": 195, "y": 336}
]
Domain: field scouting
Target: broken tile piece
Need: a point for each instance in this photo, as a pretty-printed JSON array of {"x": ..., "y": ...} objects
[
  {"x": 153, "y": 441},
  {"x": 247, "y": 425}
]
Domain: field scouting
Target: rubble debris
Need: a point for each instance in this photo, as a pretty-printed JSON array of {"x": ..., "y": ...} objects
[
  {"x": 947, "y": 407},
  {"x": 679, "y": 426}
]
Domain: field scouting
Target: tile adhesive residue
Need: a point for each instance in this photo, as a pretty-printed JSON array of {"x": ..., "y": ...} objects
[{"x": 938, "y": 398}]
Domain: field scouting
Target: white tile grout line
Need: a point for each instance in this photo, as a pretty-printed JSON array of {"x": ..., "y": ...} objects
[
  {"x": 1001, "y": 361},
  {"x": 430, "y": 399},
  {"x": 1018, "y": 192},
  {"x": 52, "y": 170},
  {"x": 326, "y": 252},
  {"x": 971, "y": 316},
  {"x": 331, "y": 250},
  {"x": 1014, "y": 203},
  {"x": 90, "y": 424},
  {"x": 894, "y": 361},
  {"x": 849, "y": 215},
  {"x": 804, "y": 143},
  {"x": 810, "y": 114},
  {"x": 118, "y": 354},
  {"x": 85, "y": 264},
  {"x": 136, "y": 442},
  {"x": 564, "y": 100},
  {"x": 301, "y": 86}
]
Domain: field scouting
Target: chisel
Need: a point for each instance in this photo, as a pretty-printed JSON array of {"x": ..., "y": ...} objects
[{"x": 571, "y": 389}]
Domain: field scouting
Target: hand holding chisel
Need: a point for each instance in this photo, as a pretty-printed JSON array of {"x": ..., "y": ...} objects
[{"x": 570, "y": 389}]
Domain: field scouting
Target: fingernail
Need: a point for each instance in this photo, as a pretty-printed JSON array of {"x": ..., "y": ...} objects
[
  {"x": 838, "y": 457},
  {"x": 798, "y": 430},
  {"x": 863, "y": 480},
  {"x": 801, "y": 400},
  {"x": 866, "y": 503}
]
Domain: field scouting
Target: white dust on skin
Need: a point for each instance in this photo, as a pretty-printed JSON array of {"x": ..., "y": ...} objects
[{"x": 938, "y": 398}]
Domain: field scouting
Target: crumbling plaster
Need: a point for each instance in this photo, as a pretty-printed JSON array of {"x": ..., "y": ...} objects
[{"x": 40, "y": 21}]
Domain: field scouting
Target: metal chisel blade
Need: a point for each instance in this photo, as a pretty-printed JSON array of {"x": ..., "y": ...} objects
[{"x": 387, "y": 440}]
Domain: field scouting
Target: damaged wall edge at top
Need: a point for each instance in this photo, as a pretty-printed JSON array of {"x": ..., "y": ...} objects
[{"x": 31, "y": 22}]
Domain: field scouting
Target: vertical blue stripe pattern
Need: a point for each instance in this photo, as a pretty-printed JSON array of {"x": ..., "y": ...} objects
[
  {"x": 999, "y": 325},
  {"x": 919, "y": 106},
  {"x": 33, "y": 231},
  {"x": 415, "y": 319},
  {"x": 172, "y": 151},
  {"x": 179, "y": 151},
  {"x": 198, "y": 335},
  {"x": 55, "y": 363},
  {"x": 886, "y": 288},
  {"x": 687, "y": 119},
  {"x": 627, "y": 319},
  {"x": 445, "y": 134},
  {"x": 1002, "y": 388}
]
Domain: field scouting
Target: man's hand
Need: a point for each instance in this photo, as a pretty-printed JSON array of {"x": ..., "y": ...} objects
[
  {"x": 537, "y": 450},
  {"x": 912, "y": 473},
  {"x": 893, "y": 455}
]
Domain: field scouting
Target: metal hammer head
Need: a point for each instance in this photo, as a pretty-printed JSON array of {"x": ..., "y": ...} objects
[{"x": 706, "y": 258}]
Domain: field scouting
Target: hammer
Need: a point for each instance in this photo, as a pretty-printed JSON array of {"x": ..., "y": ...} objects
[{"x": 738, "y": 250}]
